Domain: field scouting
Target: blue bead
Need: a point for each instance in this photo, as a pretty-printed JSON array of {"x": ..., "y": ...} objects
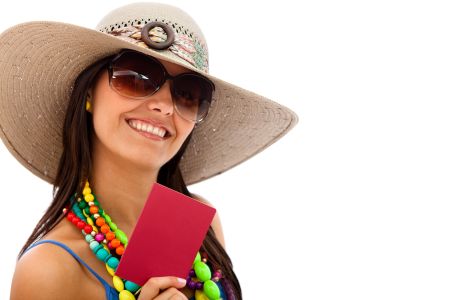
[
  {"x": 93, "y": 245},
  {"x": 131, "y": 286},
  {"x": 102, "y": 254},
  {"x": 113, "y": 262}
]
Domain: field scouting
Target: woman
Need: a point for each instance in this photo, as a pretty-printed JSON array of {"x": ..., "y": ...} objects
[{"x": 135, "y": 105}]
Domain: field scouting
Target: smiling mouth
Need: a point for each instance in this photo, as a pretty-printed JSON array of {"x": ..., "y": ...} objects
[{"x": 148, "y": 129}]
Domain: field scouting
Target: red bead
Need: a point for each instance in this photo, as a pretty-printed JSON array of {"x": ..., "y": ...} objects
[
  {"x": 100, "y": 221},
  {"x": 81, "y": 224},
  {"x": 88, "y": 229},
  {"x": 70, "y": 216},
  {"x": 75, "y": 220}
]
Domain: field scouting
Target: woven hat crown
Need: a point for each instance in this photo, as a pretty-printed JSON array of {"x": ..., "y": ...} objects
[{"x": 189, "y": 37}]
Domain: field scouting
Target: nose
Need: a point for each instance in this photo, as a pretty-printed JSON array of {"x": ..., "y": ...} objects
[{"x": 161, "y": 101}]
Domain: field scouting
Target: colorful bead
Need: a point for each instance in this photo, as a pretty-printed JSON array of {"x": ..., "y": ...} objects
[
  {"x": 197, "y": 257},
  {"x": 104, "y": 228},
  {"x": 102, "y": 254},
  {"x": 113, "y": 262},
  {"x": 115, "y": 243},
  {"x": 88, "y": 197},
  {"x": 118, "y": 283},
  {"x": 121, "y": 236},
  {"x": 120, "y": 250},
  {"x": 131, "y": 286},
  {"x": 99, "y": 237},
  {"x": 202, "y": 271},
  {"x": 126, "y": 295},
  {"x": 199, "y": 295},
  {"x": 99, "y": 221},
  {"x": 110, "y": 271},
  {"x": 109, "y": 239},
  {"x": 211, "y": 290},
  {"x": 93, "y": 209}
]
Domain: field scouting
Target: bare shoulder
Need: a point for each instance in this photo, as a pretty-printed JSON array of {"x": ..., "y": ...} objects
[
  {"x": 44, "y": 272},
  {"x": 216, "y": 224}
]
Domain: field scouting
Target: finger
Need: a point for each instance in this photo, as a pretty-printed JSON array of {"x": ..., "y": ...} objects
[
  {"x": 154, "y": 285},
  {"x": 171, "y": 294}
]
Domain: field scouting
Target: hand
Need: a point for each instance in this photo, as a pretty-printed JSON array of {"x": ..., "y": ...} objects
[{"x": 163, "y": 288}]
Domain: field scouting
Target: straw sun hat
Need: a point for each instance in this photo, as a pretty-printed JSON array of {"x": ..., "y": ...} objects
[{"x": 39, "y": 62}]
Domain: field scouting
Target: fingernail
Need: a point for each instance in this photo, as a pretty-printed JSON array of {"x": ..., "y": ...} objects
[{"x": 181, "y": 280}]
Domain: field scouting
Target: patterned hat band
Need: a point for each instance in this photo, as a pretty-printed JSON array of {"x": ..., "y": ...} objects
[{"x": 158, "y": 35}]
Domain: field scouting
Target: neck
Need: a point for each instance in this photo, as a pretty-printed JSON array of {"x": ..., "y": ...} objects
[{"x": 121, "y": 189}]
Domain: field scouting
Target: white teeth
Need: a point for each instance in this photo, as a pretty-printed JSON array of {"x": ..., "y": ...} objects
[{"x": 141, "y": 126}]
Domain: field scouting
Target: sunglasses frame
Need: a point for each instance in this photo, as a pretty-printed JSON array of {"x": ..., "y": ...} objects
[{"x": 166, "y": 76}]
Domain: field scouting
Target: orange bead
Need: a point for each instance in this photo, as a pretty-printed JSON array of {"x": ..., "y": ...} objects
[
  {"x": 120, "y": 250},
  {"x": 104, "y": 228},
  {"x": 110, "y": 235},
  {"x": 100, "y": 221},
  {"x": 115, "y": 243},
  {"x": 93, "y": 209}
]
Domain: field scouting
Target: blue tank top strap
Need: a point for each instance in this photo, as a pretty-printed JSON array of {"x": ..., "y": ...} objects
[{"x": 111, "y": 293}]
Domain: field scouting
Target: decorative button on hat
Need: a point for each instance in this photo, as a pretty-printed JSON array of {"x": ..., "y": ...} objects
[
  {"x": 157, "y": 35},
  {"x": 41, "y": 60}
]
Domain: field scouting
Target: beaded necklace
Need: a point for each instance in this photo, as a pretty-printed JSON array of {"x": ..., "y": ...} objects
[{"x": 108, "y": 243}]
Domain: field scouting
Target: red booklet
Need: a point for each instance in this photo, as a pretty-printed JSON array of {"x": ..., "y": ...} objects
[{"x": 167, "y": 236}]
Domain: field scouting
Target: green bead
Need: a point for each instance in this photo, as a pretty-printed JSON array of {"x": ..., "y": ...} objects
[
  {"x": 82, "y": 204},
  {"x": 86, "y": 210},
  {"x": 121, "y": 236},
  {"x": 202, "y": 271},
  {"x": 113, "y": 226},
  {"x": 131, "y": 286},
  {"x": 107, "y": 218},
  {"x": 211, "y": 290},
  {"x": 197, "y": 258}
]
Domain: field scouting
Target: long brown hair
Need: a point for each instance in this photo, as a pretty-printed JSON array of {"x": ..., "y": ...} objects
[{"x": 75, "y": 166}]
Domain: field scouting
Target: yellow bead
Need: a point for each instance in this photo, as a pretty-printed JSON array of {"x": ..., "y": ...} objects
[
  {"x": 89, "y": 220},
  {"x": 86, "y": 184},
  {"x": 110, "y": 270},
  {"x": 86, "y": 191},
  {"x": 88, "y": 197},
  {"x": 126, "y": 295},
  {"x": 118, "y": 283},
  {"x": 85, "y": 214},
  {"x": 199, "y": 295}
]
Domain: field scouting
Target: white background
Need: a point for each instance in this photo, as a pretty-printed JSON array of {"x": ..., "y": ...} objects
[{"x": 351, "y": 204}]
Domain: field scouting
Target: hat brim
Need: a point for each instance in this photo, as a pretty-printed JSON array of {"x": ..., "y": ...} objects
[{"x": 40, "y": 61}]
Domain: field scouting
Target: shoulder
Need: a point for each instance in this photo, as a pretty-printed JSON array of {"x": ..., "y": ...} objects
[
  {"x": 216, "y": 224},
  {"x": 45, "y": 272}
]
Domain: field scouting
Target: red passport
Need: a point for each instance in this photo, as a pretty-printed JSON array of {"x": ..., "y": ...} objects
[{"x": 167, "y": 236}]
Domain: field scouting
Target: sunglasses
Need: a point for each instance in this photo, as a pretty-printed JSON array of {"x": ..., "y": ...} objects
[{"x": 138, "y": 76}]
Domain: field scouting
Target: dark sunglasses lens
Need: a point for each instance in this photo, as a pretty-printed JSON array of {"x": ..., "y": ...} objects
[
  {"x": 134, "y": 75},
  {"x": 192, "y": 96}
]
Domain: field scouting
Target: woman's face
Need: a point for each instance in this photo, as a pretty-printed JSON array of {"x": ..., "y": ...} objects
[{"x": 119, "y": 123}]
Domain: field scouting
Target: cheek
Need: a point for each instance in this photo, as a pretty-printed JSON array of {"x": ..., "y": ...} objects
[{"x": 183, "y": 127}]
